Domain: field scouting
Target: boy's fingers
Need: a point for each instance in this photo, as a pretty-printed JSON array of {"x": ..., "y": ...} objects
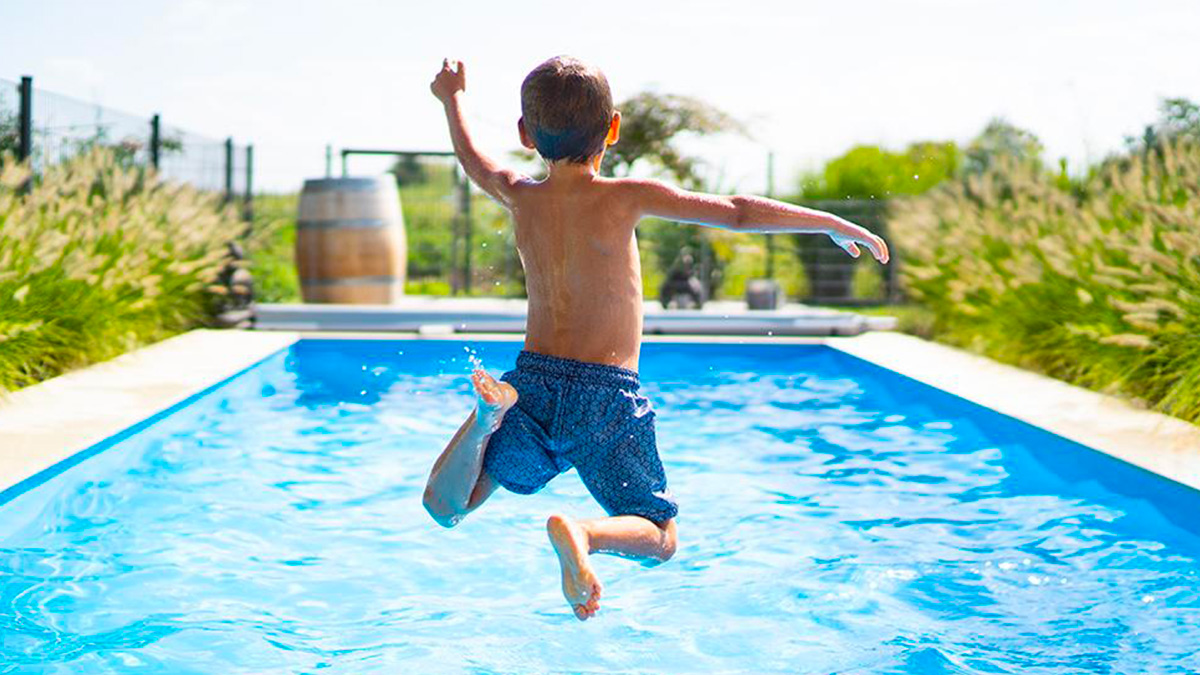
[
  {"x": 462, "y": 68},
  {"x": 880, "y": 249},
  {"x": 445, "y": 64}
]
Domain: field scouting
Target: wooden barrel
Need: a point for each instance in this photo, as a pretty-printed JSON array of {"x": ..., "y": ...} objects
[{"x": 350, "y": 244}]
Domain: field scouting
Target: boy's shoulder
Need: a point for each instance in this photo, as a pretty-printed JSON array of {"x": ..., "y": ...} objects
[
  {"x": 625, "y": 187},
  {"x": 635, "y": 196}
]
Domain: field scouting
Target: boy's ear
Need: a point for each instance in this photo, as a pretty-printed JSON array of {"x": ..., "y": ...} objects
[
  {"x": 614, "y": 129},
  {"x": 525, "y": 139}
]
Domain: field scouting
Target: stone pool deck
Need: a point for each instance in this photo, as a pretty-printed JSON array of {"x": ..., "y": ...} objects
[
  {"x": 46, "y": 428},
  {"x": 54, "y": 421}
]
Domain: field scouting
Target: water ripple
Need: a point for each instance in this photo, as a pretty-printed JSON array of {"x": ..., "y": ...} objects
[{"x": 835, "y": 518}]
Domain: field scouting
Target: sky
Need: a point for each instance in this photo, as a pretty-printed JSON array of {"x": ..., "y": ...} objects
[{"x": 809, "y": 79}]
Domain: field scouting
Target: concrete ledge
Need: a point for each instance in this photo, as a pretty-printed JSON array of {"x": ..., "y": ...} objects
[
  {"x": 53, "y": 421},
  {"x": 1165, "y": 445},
  {"x": 429, "y": 316}
]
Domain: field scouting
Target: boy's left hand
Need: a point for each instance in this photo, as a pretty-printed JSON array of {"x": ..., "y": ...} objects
[
  {"x": 851, "y": 237},
  {"x": 449, "y": 81}
]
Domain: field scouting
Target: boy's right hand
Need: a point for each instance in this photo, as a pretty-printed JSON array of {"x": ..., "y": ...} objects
[{"x": 449, "y": 81}]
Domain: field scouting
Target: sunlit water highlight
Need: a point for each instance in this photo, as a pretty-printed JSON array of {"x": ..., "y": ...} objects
[{"x": 835, "y": 517}]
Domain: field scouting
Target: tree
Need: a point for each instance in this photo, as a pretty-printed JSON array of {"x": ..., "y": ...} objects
[
  {"x": 1177, "y": 118},
  {"x": 1002, "y": 139},
  {"x": 871, "y": 172},
  {"x": 409, "y": 170},
  {"x": 651, "y": 123}
]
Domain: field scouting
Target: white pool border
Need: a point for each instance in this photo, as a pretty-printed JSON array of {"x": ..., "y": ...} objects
[{"x": 44, "y": 427}]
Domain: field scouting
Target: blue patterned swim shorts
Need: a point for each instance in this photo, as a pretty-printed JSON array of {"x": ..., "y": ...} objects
[{"x": 584, "y": 415}]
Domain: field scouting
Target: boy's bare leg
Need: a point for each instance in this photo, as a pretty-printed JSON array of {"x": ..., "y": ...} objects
[
  {"x": 457, "y": 483},
  {"x": 628, "y": 536}
]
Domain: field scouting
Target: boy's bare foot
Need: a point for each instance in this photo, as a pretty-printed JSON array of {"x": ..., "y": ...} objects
[
  {"x": 495, "y": 398},
  {"x": 579, "y": 583}
]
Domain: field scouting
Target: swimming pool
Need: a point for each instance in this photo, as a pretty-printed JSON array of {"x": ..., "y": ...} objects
[{"x": 835, "y": 516}]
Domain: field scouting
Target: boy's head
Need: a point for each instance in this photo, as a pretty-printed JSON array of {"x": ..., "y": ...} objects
[{"x": 567, "y": 111}]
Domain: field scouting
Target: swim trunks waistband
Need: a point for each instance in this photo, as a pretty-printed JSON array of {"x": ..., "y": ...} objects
[{"x": 590, "y": 373}]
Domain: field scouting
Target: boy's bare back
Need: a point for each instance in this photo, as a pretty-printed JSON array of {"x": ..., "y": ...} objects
[{"x": 575, "y": 233}]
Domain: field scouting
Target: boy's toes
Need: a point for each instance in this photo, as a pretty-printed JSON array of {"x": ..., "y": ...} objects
[
  {"x": 508, "y": 395},
  {"x": 494, "y": 393},
  {"x": 581, "y": 612}
]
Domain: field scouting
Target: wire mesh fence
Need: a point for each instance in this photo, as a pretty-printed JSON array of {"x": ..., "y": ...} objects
[
  {"x": 61, "y": 127},
  {"x": 9, "y": 111},
  {"x": 459, "y": 241}
]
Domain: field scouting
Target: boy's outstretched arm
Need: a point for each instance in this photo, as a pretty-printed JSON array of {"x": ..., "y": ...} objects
[
  {"x": 448, "y": 86},
  {"x": 752, "y": 214}
]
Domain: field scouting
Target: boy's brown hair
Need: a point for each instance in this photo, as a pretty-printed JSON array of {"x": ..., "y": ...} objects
[{"x": 567, "y": 108}]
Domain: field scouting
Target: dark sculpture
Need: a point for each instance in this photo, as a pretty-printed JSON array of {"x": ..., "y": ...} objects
[{"x": 682, "y": 288}]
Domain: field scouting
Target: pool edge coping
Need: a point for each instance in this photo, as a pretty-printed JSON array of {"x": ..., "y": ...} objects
[
  {"x": 48, "y": 427},
  {"x": 1159, "y": 443}
]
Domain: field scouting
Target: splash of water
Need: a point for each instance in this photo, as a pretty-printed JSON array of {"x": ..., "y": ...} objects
[{"x": 473, "y": 359}]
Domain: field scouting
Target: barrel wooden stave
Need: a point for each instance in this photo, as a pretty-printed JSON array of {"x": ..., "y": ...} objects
[{"x": 350, "y": 243}]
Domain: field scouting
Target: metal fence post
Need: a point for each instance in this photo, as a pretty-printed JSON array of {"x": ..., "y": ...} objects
[
  {"x": 248, "y": 205},
  {"x": 770, "y": 195},
  {"x": 155, "y": 141},
  {"x": 466, "y": 217},
  {"x": 228, "y": 169},
  {"x": 25, "y": 121}
]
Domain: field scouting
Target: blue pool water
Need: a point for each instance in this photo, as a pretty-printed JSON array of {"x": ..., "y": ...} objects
[{"x": 835, "y": 517}]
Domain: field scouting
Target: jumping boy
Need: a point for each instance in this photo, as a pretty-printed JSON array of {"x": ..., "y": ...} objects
[{"x": 573, "y": 400}]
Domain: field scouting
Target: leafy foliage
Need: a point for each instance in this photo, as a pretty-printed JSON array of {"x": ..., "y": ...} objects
[
  {"x": 651, "y": 125},
  {"x": 1001, "y": 141},
  {"x": 1178, "y": 118},
  {"x": 871, "y": 172},
  {"x": 9, "y": 132}
]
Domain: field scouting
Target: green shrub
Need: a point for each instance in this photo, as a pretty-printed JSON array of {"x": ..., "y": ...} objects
[
  {"x": 97, "y": 259},
  {"x": 271, "y": 249},
  {"x": 1099, "y": 286}
]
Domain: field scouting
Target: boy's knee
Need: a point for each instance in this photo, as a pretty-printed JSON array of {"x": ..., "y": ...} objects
[
  {"x": 438, "y": 511},
  {"x": 670, "y": 540}
]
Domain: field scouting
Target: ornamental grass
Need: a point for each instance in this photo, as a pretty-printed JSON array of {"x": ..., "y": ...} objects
[
  {"x": 1096, "y": 283},
  {"x": 97, "y": 258}
]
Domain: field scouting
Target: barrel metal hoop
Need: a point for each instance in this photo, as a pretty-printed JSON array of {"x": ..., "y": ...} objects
[
  {"x": 351, "y": 281},
  {"x": 343, "y": 223},
  {"x": 314, "y": 185}
]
